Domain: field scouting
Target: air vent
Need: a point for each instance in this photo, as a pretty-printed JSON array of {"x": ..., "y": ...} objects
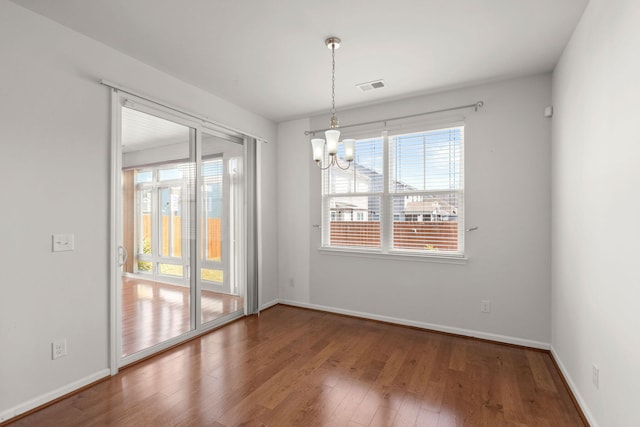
[{"x": 376, "y": 84}]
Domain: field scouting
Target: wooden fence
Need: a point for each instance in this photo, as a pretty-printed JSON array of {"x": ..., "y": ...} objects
[
  {"x": 213, "y": 238},
  {"x": 436, "y": 235}
]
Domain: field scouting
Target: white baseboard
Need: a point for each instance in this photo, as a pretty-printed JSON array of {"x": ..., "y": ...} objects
[
  {"x": 423, "y": 325},
  {"x": 269, "y": 304},
  {"x": 52, "y": 395},
  {"x": 565, "y": 373}
]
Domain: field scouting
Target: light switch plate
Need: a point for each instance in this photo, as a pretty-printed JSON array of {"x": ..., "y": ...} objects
[{"x": 62, "y": 242}]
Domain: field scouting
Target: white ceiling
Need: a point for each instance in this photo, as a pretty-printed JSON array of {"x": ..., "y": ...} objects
[
  {"x": 268, "y": 56},
  {"x": 141, "y": 130}
]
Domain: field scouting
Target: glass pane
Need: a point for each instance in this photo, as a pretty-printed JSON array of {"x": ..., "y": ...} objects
[
  {"x": 211, "y": 275},
  {"x": 355, "y": 221},
  {"x": 171, "y": 173},
  {"x": 365, "y": 174},
  {"x": 144, "y": 221},
  {"x": 212, "y": 194},
  {"x": 143, "y": 176},
  {"x": 145, "y": 266},
  {"x": 426, "y": 222},
  {"x": 171, "y": 270},
  {"x": 426, "y": 161},
  {"x": 170, "y": 221}
]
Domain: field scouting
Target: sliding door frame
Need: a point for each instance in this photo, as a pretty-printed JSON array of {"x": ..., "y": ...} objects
[{"x": 118, "y": 255}]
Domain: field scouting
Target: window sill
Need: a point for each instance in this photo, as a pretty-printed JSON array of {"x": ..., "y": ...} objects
[{"x": 395, "y": 255}]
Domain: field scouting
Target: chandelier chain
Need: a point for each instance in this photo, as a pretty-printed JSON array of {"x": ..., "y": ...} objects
[{"x": 333, "y": 79}]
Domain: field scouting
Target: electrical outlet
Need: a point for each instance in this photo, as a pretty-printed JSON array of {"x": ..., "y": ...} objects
[
  {"x": 58, "y": 349},
  {"x": 595, "y": 376},
  {"x": 485, "y": 306}
]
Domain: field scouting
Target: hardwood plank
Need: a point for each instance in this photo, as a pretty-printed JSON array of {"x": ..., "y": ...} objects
[
  {"x": 330, "y": 417},
  {"x": 297, "y": 367},
  {"x": 408, "y": 411},
  {"x": 419, "y": 381},
  {"x": 355, "y": 394},
  {"x": 433, "y": 395},
  {"x": 458, "y": 355},
  {"x": 540, "y": 372},
  {"x": 280, "y": 386},
  {"x": 367, "y": 409},
  {"x": 384, "y": 417},
  {"x": 428, "y": 419},
  {"x": 511, "y": 397}
]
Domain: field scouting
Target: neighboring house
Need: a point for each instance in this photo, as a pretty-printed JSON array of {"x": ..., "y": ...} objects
[
  {"x": 359, "y": 178},
  {"x": 354, "y": 209},
  {"x": 429, "y": 209}
]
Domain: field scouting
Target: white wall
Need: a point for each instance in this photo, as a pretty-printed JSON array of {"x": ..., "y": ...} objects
[
  {"x": 269, "y": 219},
  {"x": 507, "y": 196},
  {"x": 294, "y": 222},
  {"x": 596, "y": 146},
  {"x": 54, "y": 146}
]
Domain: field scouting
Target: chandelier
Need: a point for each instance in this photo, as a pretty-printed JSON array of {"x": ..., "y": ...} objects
[{"x": 332, "y": 134}]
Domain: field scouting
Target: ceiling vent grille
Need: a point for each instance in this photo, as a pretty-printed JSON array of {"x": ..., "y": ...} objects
[{"x": 376, "y": 84}]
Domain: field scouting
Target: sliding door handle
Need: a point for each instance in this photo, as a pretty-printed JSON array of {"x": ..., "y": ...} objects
[{"x": 123, "y": 255}]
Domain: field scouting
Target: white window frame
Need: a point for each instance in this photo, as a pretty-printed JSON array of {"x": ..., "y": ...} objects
[{"x": 386, "y": 207}]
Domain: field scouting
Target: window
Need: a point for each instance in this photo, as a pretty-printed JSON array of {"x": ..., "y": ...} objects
[
  {"x": 404, "y": 193},
  {"x": 161, "y": 201}
]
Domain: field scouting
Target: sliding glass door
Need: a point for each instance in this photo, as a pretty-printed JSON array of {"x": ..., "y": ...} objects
[{"x": 181, "y": 215}]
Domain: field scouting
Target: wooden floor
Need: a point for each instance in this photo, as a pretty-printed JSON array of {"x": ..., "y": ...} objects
[
  {"x": 153, "y": 312},
  {"x": 295, "y": 367}
]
